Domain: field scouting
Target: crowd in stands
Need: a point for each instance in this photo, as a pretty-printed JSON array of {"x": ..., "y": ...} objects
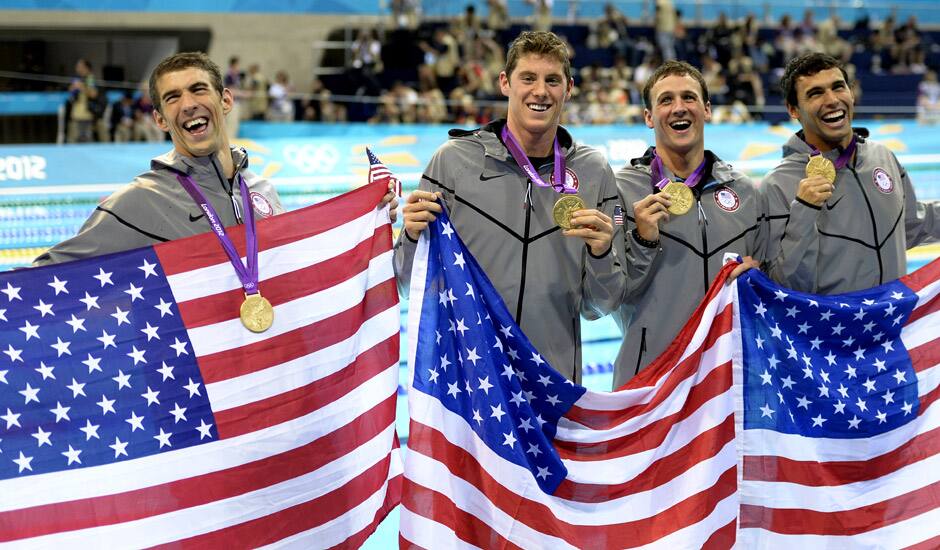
[{"x": 447, "y": 72}]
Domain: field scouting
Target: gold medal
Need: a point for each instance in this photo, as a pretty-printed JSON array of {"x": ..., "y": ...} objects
[
  {"x": 256, "y": 313},
  {"x": 821, "y": 166},
  {"x": 682, "y": 197},
  {"x": 563, "y": 209}
]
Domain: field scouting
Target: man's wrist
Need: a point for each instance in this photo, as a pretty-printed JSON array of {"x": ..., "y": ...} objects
[{"x": 644, "y": 242}]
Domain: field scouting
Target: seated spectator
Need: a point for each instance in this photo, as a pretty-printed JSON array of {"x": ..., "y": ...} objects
[
  {"x": 83, "y": 107},
  {"x": 145, "y": 127},
  {"x": 121, "y": 123},
  {"x": 829, "y": 41},
  {"x": 281, "y": 108},
  {"x": 256, "y": 87},
  {"x": 498, "y": 17},
  {"x": 320, "y": 107},
  {"x": 432, "y": 106},
  {"x": 715, "y": 80}
]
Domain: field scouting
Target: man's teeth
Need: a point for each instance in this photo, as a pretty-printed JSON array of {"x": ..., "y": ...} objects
[
  {"x": 833, "y": 117},
  {"x": 680, "y": 125},
  {"x": 538, "y": 106},
  {"x": 195, "y": 122}
]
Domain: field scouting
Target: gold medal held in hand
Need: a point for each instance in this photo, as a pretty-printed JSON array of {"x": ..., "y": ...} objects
[
  {"x": 563, "y": 209},
  {"x": 256, "y": 313},
  {"x": 682, "y": 197},
  {"x": 819, "y": 165}
]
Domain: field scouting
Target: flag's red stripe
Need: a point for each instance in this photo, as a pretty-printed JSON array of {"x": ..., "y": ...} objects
[
  {"x": 300, "y": 341},
  {"x": 296, "y": 519},
  {"x": 204, "y": 250},
  {"x": 929, "y": 544},
  {"x": 793, "y": 521},
  {"x": 186, "y": 493},
  {"x": 430, "y": 442},
  {"x": 925, "y": 309},
  {"x": 392, "y": 499},
  {"x": 286, "y": 287},
  {"x": 604, "y": 419},
  {"x": 722, "y": 538},
  {"x": 829, "y": 474},
  {"x": 441, "y": 509},
  {"x": 705, "y": 446},
  {"x": 925, "y": 356},
  {"x": 924, "y": 276},
  {"x": 306, "y": 399},
  {"x": 651, "y": 436}
]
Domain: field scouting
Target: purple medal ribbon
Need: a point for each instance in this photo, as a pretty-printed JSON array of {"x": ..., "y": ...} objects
[
  {"x": 656, "y": 173},
  {"x": 843, "y": 158},
  {"x": 247, "y": 275},
  {"x": 560, "y": 176}
]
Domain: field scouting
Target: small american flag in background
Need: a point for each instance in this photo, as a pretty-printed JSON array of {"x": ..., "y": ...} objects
[
  {"x": 742, "y": 432},
  {"x": 618, "y": 215},
  {"x": 379, "y": 173},
  {"x": 136, "y": 410}
]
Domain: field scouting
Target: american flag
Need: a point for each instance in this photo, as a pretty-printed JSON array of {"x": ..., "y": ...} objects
[
  {"x": 136, "y": 410},
  {"x": 504, "y": 452},
  {"x": 618, "y": 215},
  {"x": 379, "y": 173}
]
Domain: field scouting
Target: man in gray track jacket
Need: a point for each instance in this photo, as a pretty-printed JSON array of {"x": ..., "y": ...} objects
[
  {"x": 672, "y": 258},
  {"x": 832, "y": 237},
  {"x": 547, "y": 276},
  {"x": 191, "y": 104}
]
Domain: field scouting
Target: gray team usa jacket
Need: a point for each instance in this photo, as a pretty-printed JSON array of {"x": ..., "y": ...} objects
[
  {"x": 859, "y": 237},
  {"x": 547, "y": 280},
  {"x": 666, "y": 283},
  {"x": 155, "y": 208}
]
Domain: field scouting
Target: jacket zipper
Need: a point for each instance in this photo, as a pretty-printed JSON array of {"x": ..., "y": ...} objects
[
  {"x": 702, "y": 223},
  {"x": 236, "y": 208},
  {"x": 639, "y": 357},
  {"x": 527, "y": 204},
  {"x": 874, "y": 227}
]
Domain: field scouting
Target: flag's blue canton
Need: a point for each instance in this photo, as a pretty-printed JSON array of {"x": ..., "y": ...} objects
[
  {"x": 95, "y": 367},
  {"x": 474, "y": 358},
  {"x": 826, "y": 366}
]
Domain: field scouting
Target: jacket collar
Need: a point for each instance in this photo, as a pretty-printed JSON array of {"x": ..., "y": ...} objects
[
  {"x": 198, "y": 166},
  {"x": 797, "y": 145},
  {"x": 489, "y": 137},
  {"x": 718, "y": 172}
]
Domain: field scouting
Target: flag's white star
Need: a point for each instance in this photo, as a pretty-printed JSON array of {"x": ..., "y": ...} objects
[
  {"x": 803, "y": 402},
  {"x": 179, "y": 413},
  {"x": 538, "y": 418},
  {"x": 508, "y": 372},
  {"x": 869, "y": 326},
  {"x": 760, "y": 342},
  {"x": 882, "y": 417},
  {"x": 106, "y": 339},
  {"x": 534, "y": 449},
  {"x": 517, "y": 399},
  {"x": 12, "y": 292},
  {"x": 485, "y": 385},
  {"x": 445, "y": 362},
  {"x": 765, "y": 378},
  {"x": 120, "y": 447},
  {"x": 470, "y": 292},
  {"x": 787, "y": 382},
  {"x": 859, "y": 353},
  {"x": 776, "y": 331},
  {"x": 3, "y": 376},
  {"x": 853, "y": 424},
  {"x": 897, "y": 295},
  {"x": 93, "y": 363},
  {"x": 537, "y": 359},
  {"x": 888, "y": 397},
  {"x": 137, "y": 355},
  {"x": 907, "y": 407},
  {"x": 120, "y": 315},
  {"x": 899, "y": 376},
  {"x": 42, "y": 437},
  {"x": 23, "y": 461},
  {"x": 837, "y": 330},
  {"x": 843, "y": 391},
  {"x": 136, "y": 422},
  {"x": 766, "y": 411},
  {"x": 507, "y": 331},
  {"x": 553, "y": 400},
  {"x": 472, "y": 356},
  {"x": 91, "y": 430},
  {"x": 509, "y": 439},
  {"x": 104, "y": 277},
  {"x": 61, "y": 347},
  {"x": 151, "y": 396},
  {"x": 453, "y": 389},
  {"x": 840, "y": 407},
  {"x": 791, "y": 352},
  {"x": 807, "y": 373},
  {"x": 72, "y": 455},
  {"x": 439, "y": 336},
  {"x": 90, "y": 302},
  {"x": 193, "y": 388},
  {"x": 31, "y": 330},
  {"x": 432, "y": 375},
  {"x": 477, "y": 417},
  {"x": 880, "y": 365},
  {"x": 442, "y": 297},
  {"x": 792, "y": 311},
  {"x": 823, "y": 390},
  {"x": 860, "y": 314},
  {"x": 497, "y": 412},
  {"x": 148, "y": 269},
  {"x": 804, "y": 328},
  {"x": 889, "y": 311},
  {"x": 515, "y": 357},
  {"x": 58, "y": 285},
  {"x": 107, "y": 405},
  {"x": 545, "y": 380},
  {"x": 461, "y": 327},
  {"x": 830, "y": 358},
  {"x": 3, "y": 314},
  {"x": 825, "y": 316},
  {"x": 76, "y": 324},
  {"x": 897, "y": 320},
  {"x": 205, "y": 430},
  {"x": 166, "y": 371},
  {"x": 851, "y": 371},
  {"x": 450, "y": 297},
  {"x": 447, "y": 230},
  {"x": 818, "y": 420},
  {"x": 77, "y": 389},
  {"x": 760, "y": 309},
  {"x": 780, "y": 295},
  {"x": 888, "y": 346},
  {"x": 135, "y": 292},
  {"x": 60, "y": 412},
  {"x": 164, "y": 307},
  {"x": 163, "y": 438},
  {"x": 543, "y": 472},
  {"x": 525, "y": 425},
  {"x": 773, "y": 361},
  {"x": 458, "y": 260},
  {"x": 869, "y": 385},
  {"x": 123, "y": 380},
  {"x": 179, "y": 347},
  {"x": 30, "y": 393},
  {"x": 12, "y": 419},
  {"x": 862, "y": 406},
  {"x": 44, "y": 308}
]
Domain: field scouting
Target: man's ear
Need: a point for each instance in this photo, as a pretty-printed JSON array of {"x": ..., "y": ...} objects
[
  {"x": 161, "y": 122},
  {"x": 228, "y": 101}
]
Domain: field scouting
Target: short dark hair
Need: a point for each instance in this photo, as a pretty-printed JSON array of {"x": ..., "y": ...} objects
[
  {"x": 806, "y": 65},
  {"x": 673, "y": 68},
  {"x": 539, "y": 43},
  {"x": 179, "y": 62}
]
